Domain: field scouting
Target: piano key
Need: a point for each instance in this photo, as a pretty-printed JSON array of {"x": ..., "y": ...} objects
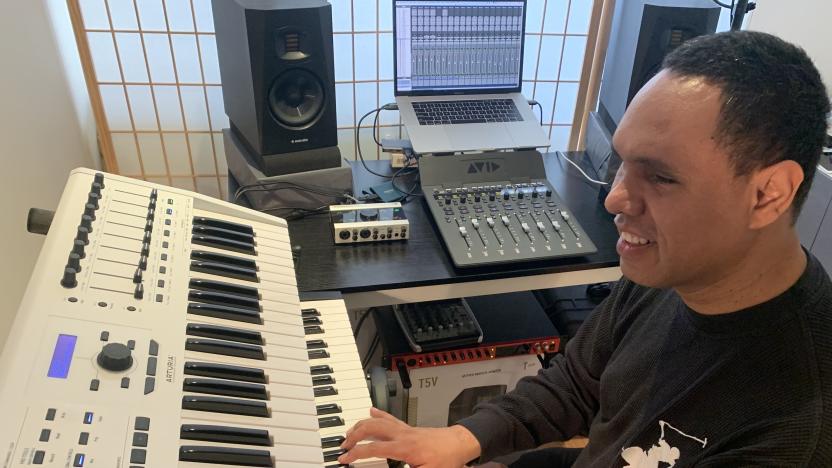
[
  {"x": 225, "y": 371},
  {"x": 233, "y": 300},
  {"x": 287, "y": 334},
  {"x": 223, "y": 233},
  {"x": 272, "y": 287},
  {"x": 273, "y": 363},
  {"x": 279, "y": 270},
  {"x": 298, "y": 435},
  {"x": 332, "y": 441},
  {"x": 210, "y": 285},
  {"x": 311, "y": 321},
  {"x": 318, "y": 370},
  {"x": 310, "y": 313},
  {"x": 229, "y": 456},
  {"x": 221, "y": 243},
  {"x": 236, "y": 314},
  {"x": 330, "y": 421},
  {"x": 225, "y": 388},
  {"x": 283, "y": 455},
  {"x": 222, "y": 224},
  {"x": 225, "y": 405},
  {"x": 225, "y": 270},
  {"x": 226, "y": 434},
  {"x": 225, "y": 348},
  {"x": 319, "y": 380},
  {"x": 215, "y": 257},
  {"x": 313, "y": 330},
  {"x": 224, "y": 333},
  {"x": 325, "y": 391},
  {"x": 318, "y": 354},
  {"x": 332, "y": 455},
  {"x": 316, "y": 344},
  {"x": 303, "y": 418},
  {"x": 328, "y": 408}
]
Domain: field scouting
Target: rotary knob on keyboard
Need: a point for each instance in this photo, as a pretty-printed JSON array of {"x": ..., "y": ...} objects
[
  {"x": 115, "y": 357},
  {"x": 89, "y": 210},
  {"x": 96, "y": 188},
  {"x": 68, "y": 280},
  {"x": 98, "y": 178},
  {"x": 86, "y": 221},
  {"x": 78, "y": 247},
  {"x": 93, "y": 198},
  {"x": 83, "y": 235},
  {"x": 74, "y": 262}
]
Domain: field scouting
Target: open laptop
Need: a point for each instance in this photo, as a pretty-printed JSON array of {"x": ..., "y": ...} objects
[{"x": 458, "y": 72}]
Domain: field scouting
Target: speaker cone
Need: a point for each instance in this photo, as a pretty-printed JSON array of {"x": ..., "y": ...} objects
[{"x": 296, "y": 98}]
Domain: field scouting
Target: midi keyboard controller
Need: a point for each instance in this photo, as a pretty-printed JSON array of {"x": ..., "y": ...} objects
[
  {"x": 498, "y": 208},
  {"x": 163, "y": 328}
]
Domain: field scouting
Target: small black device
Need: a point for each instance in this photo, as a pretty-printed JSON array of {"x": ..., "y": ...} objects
[{"x": 442, "y": 324}]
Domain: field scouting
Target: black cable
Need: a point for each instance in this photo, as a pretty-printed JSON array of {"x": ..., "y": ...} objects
[
  {"x": 358, "y": 142},
  {"x": 541, "y": 112},
  {"x": 264, "y": 187},
  {"x": 403, "y": 191},
  {"x": 375, "y": 126},
  {"x": 361, "y": 322},
  {"x": 370, "y": 352}
]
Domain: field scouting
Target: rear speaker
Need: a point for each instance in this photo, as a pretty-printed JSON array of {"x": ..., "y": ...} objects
[
  {"x": 278, "y": 79},
  {"x": 643, "y": 33}
]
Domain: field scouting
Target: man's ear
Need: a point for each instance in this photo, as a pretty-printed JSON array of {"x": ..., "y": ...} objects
[{"x": 774, "y": 189}]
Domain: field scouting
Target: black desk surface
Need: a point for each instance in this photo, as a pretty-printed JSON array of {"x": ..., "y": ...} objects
[{"x": 422, "y": 260}]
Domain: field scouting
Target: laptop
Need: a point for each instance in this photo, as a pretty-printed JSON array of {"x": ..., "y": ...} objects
[{"x": 458, "y": 73}]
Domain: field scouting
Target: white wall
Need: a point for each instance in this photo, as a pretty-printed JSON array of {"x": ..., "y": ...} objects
[
  {"x": 803, "y": 22},
  {"x": 41, "y": 137}
]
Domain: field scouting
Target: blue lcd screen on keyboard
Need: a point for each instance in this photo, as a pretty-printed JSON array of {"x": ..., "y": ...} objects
[{"x": 62, "y": 356}]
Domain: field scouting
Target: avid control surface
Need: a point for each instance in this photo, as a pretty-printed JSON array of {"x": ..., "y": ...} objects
[{"x": 499, "y": 208}]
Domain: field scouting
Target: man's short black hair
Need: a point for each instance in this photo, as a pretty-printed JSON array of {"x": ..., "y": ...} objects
[{"x": 774, "y": 105}]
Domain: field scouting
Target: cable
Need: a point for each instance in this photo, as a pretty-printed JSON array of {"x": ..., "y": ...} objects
[
  {"x": 581, "y": 170},
  {"x": 358, "y": 142},
  {"x": 370, "y": 352},
  {"x": 403, "y": 191},
  {"x": 361, "y": 322},
  {"x": 264, "y": 187},
  {"x": 723, "y": 5},
  {"x": 533, "y": 103}
]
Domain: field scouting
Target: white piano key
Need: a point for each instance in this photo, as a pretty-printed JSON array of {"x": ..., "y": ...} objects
[
  {"x": 292, "y": 421},
  {"x": 308, "y": 437},
  {"x": 281, "y": 453},
  {"x": 274, "y": 363}
]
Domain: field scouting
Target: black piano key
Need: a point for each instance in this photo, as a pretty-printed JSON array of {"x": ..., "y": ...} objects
[
  {"x": 313, "y": 330},
  {"x": 211, "y": 285},
  {"x": 316, "y": 344},
  {"x": 225, "y": 405},
  {"x": 225, "y": 434},
  {"x": 326, "y": 379},
  {"x": 312, "y": 321},
  {"x": 320, "y": 370},
  {"x": 324, "y": 391},
  {"x": 309, "y": 313},
  {"x": 225, "y": 312},
  {"x": 226, "y": 244},
  {"x": 225, "y": 348},
  {"x": 226, "y": 371},
  {"x": 330, "y": 421},
  {"x": 225, "y": 388},
  {"x": 223, "y": 258},
  {"x": 211, "y": 297},
  {"x": 231, "y": 226},
  {"x": 223, "y": 233},
  {"x": 318, "y": 354},
  {"x": 332, "y": 441},
  {"x": 225, "y": 269},
  {"x": 332, "y": 455},
  {"x": 224, "y": 333},
  {"x": 328, "y": 408},
  {"x": 225, "y": 456}
]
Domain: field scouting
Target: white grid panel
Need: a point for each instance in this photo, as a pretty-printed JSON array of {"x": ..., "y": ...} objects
[{"x": 156, "y": 70}]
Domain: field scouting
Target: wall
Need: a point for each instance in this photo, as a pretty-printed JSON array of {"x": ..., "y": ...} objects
[
  {"x": 41, "y": 137},
  {"x": 805, "y": 23}
]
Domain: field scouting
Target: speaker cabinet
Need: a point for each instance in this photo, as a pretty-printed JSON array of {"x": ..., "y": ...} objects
[
  {"x": 643, "y": 32},
  {"x": 278, "y": 76}
]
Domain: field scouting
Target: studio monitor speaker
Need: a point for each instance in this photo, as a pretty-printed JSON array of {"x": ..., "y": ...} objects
[{"x": 278, "y": 75}]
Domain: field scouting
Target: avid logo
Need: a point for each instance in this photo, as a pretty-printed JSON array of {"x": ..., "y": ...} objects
[
  {"x": 478, "y": 167},
  {"x": 299, "y": 140}
]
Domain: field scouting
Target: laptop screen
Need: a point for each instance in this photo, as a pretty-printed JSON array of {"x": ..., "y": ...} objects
[{"x": 458, "y": 47}]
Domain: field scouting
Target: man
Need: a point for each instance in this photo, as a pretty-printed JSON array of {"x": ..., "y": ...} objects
[{"x": 715, "y": 349}]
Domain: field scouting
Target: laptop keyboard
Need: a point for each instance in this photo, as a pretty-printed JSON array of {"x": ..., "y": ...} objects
[{"x": 462, "y": 112}]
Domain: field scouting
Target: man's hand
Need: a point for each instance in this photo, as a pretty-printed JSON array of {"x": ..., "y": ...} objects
[{"x": 447, "y": 447}]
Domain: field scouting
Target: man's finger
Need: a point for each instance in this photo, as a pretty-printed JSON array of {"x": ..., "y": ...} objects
[
  {"x": 394, "y": 450},
  {"x": 378, "y": 429},
  {"x": 377, "y": 413}
]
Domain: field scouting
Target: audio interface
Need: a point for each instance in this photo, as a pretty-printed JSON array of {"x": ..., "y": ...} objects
[{"x": 372, "y": 222}]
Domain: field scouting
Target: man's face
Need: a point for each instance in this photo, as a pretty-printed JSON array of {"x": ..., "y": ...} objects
[{"x": 682, "y": 214}]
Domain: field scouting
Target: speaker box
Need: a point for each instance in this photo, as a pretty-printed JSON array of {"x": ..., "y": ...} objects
[
  {"x": 278, "y": 77},
  {"x": 643, "y": 33}
]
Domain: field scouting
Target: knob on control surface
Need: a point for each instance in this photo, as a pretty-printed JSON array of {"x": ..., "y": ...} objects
[
  {"x": 83, "y": 235},
  {"x": 93, "y": 198},
  {"x": 98, "y": 178},
  {"x": 86, "y": 221},
  {"x": 78, "y": 247},
  {"x": 115, "y": 357},
  {"x": 74, "y": 262},
  {"x": 89, "y": 210},
  {"x": 69, "y": 281}
]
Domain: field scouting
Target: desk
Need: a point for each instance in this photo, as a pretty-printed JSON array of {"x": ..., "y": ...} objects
[{"x": 420, "y": 269}]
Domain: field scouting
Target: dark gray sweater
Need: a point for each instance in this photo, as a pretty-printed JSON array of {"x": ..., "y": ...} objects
[{"x": 650, "y": 380}]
